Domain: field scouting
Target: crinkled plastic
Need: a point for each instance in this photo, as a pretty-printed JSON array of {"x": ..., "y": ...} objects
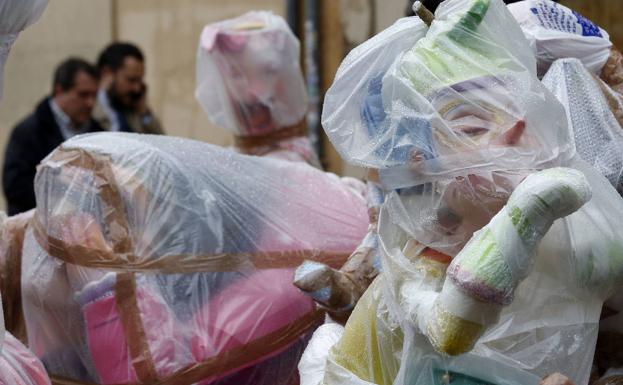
[
  {"x": 18, "y": 365},
  {"x": 550, "y": 326},
  {"x": 249, "y": 81},
  {"x": 557, "y": 32},
  {"x": 15, "y": 16},
  {"x": 465, "y": 96},
  {"x": 312, "y": 364},
  {"x": 597, "y": 133},
  {"x": 12, "y": 231},
  {"x": 156, "y": 259},
  {"x": 551, "y": 323}
]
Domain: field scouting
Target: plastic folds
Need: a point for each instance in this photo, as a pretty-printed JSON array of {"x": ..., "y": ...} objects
[
  {"x": 462, "y": 129},
  {"x": 463, "y": 97},
  {"x": 156, "y": 259}
]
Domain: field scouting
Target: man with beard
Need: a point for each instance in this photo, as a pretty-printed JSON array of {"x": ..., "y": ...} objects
[
  {"x": 56, "y": 118},
  {"x": 121, "y": 101}
]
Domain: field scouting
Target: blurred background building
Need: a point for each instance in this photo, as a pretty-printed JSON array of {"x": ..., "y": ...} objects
[{"x": 168, "y": 33}]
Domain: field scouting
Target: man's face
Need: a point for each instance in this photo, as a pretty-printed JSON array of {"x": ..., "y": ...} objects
[
  {"x": 78, "y": 101},
  {"x": 127, "y": 86}
]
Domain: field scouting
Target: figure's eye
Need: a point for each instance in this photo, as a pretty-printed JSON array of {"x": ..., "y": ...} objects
[{"x": 468, "y": 118}]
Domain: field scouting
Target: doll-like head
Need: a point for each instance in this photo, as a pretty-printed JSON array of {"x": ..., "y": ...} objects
[{"x": 249, "y": 77}]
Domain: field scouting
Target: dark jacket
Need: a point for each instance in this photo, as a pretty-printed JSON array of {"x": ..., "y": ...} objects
[{"x": 31, "y": 141}]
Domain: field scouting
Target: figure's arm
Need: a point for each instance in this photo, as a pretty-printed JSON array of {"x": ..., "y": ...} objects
[{"x": 483, "y": 277}]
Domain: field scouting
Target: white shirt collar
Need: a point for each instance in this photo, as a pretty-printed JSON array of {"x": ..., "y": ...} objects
[{"x": 68, "y": 129}]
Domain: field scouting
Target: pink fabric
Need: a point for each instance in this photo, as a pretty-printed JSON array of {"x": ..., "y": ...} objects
[
  {"x": 340, "y": 217},
  {"x": 109, "y": 348},
  {"x": 247, "y": 310},
  {"x": 242, "y": 312},
  {"x": 18, "y": 366}
]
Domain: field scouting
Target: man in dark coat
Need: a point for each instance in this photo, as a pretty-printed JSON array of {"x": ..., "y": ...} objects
[{"x": 67, "y": 112}]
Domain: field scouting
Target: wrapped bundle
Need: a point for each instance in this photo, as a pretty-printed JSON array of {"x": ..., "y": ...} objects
[
  {"x": 249, "y": 82},
  {"x": 597, "y": 134},
  {"x": 150, "y": 264},
  {"x": 15, "y": 16},
  {"x": 462, "y": 120}
]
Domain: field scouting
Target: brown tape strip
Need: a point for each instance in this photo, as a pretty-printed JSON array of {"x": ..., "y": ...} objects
[
  {"x": 129, "y": 313},
  {"x": 97, "y": 258},
  {"x": 239, "y": 357},
  {"x": 122, "y": 258},
  {"x": 249, "y": 142}
]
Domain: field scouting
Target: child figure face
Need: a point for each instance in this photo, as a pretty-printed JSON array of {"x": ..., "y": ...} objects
[{"x": 255, "y": 82}]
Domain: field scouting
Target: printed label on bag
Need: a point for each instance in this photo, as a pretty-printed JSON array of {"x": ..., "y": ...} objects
[{"x": 553, "y": 16}]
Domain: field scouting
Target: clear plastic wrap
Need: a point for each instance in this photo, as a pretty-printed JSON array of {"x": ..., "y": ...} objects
[
  {"x": 15, "y": 16},
  {"x": 550, "y": 326},
  {"x": 18, "y": 365},
  {"x": 463, "y": 97},
  {"x": 12, "y": 232},
  {"x": 249, "y": 81},
  {"x": 163, "y": 260},
  {"x": 557, "y": 32},
  {"x": 597, "y": 133},
  {"x": 547, "y": 319}
]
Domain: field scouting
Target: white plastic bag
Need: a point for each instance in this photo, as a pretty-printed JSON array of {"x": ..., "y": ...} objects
[
  {"x": 15, "y": 16},
  {"x": 433, "y": 105},
  {"x": 557, "y": 32}
]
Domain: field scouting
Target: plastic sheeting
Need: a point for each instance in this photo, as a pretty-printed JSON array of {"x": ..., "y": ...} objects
[
  {"x": 12, "y": 231},
  {"x": 249, "y": 82},
  {"x": 430, "y": 114},
  {"x": 557, "y": 32},
  {"x": 597, "y": 133},
  {"x": 18, "y": 366},
  {"x": 15, "y": 16},
  {"x": 164, "y": 260},
  {"x": 449, "y": 170}
]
